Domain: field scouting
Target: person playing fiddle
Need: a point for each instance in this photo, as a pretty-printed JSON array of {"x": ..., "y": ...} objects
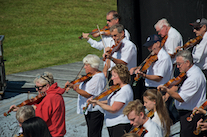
[
  {"x": 160, "y": 71},
  {"x": 91, "y": 87},
  {"x": 52, "y": 107},
  {"x": 112, "y": 18},
  {"x": 153, "y": 102},
  {"x": 200, "y": 50},
  {"x": 135, "y": 112},
  {"x": 126, "y": 53},
  {"x": 174, "y": 38},
  {"x": 192, "y": 93},
  {"x": 116, "y": 122}
]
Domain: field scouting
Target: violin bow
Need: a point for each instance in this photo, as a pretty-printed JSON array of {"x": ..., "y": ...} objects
[{"x": 104, "y": 47}]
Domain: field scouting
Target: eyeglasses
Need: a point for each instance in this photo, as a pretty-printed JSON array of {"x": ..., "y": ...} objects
[
  {"x": 110, "y": 20},
  {"x": 40, "y": 87},
  {"x": 179, "y": 64},
  {"x": 160, "y": 30}
]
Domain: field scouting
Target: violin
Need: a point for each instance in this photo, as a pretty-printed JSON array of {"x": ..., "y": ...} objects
[
  {"x": 189, "y": 44},
  {"x": 149, "y": 60},
  {"x": 32, "y": 101},
  {"x": 84, "y": 78},
  {"x": 146, "y": 65},
  {"x": 190, "y": 118},
  {"x": 198, "y": 129},
  {"x": 95, "y": 33},
  {"x": 114, "y": 48},
  {"x": 150, "y": 114},
  {"x": 175, "y": 81},
  {"x": 107, "y": 92},
  {"x": 141, "y": 131}
]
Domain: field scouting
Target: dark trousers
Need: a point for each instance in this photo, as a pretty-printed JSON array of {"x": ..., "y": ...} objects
[
  {"x": 94, "y": 121},
  {"x": 119, "y": 130},
  {"x": 187, "y": 127}
]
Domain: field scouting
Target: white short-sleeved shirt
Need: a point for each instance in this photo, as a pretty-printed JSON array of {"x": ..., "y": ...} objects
[
  {"x": 200, "y": 53},
  {"x": 153, "y": 129},
  {"x": 162, "y": 67},
  {"x": 108, "y": 41},
  {"x": 94, "y": 87},
  {"x": 174, "y": 40},
  {"x": 193, "y": 90},
  {"x": 157, "y": 120},
  {"x": 124, "y": 95},
  {"x": 127, "y": 53}
]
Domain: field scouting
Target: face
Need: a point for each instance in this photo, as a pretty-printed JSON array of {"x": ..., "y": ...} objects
[
  {"x": 162, "y": 31},
  {"x": 199, "y": 30},
  {"x": 41, "y": 88},
  {"x": 116, "y": 35},
  {"x": 110, "y": 20},
  {"x": 115, "y": 78},
  {"x": 182, "y": 65},
  {"x": 155, "y": 48},
  {"x": 88, "y": 68},
  {"x": 150, "y": 105},
  {"x": 134, "y": 119}
]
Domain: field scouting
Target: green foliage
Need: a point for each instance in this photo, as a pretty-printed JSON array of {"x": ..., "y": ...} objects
[{"x": 42, "y": 33}]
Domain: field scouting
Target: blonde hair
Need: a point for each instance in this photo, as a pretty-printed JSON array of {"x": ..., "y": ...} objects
[
  {"x": 93, "y": 60},
  {"x": 135, "y": 105},
  {"x": 123, "y": 72},
  {"x": 154, "y": 95},
  {"x": 45, "y": 78}
]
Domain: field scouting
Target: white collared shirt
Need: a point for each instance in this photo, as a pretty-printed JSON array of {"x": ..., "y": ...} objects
[
  {"x": 162, "y": 67},
  {"x": 200, "y": 53},
  {"x": 193, "y": 90},
  {"x": 153, "y": 129}
]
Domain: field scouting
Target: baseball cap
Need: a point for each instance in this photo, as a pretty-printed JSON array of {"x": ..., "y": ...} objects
[
  {"x": 199, "y": 22},
  {"x": 151, "y": 40}
]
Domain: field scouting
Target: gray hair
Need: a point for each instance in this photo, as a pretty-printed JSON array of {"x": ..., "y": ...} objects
[
  {"x": 115, "y": 14},
  {"x": 119, "y": 28},
  {"x": 25, "y": 112},
  {"x": 161, "y": 23},
  {"x": 45, "y": 78},
  {"x": 186, "y": 55},
  {"x": 93, "y": 60}
]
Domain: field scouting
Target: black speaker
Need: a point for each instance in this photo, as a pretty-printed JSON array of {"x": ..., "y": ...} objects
[{"x": 2, "y": 68}]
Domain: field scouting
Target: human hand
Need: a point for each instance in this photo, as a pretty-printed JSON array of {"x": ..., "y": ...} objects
[
  {"x": 85, "y": 36},
  {"x": 14, "y": 107}
]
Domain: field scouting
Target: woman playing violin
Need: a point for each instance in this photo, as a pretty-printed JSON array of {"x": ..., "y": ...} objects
[
  {"x": 52, "y": 107},
  {"x": 91, "y": 87},
  {"x": 116, "y": 122},
  {"x": 153, "y": 102}
]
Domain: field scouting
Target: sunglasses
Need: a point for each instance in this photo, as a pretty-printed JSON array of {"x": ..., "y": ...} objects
[
  {"x": 110, "y": 20},
  {"x": 40, "y": 87},
  {"x": 197, "y": 28}
]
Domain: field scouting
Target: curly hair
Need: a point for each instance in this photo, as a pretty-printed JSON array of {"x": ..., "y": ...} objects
[{"x": 123, "y": 72}]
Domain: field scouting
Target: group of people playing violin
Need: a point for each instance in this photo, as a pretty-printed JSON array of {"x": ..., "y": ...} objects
[{"x": 124, "y": 114}]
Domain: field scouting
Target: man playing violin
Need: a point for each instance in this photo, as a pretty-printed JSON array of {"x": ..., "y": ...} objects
[
  {"x": 126, "y": 53},
  {"x": 160, "y": 71},
  {"x": 174, "y": 38},
  {"x": 112, "y": 18},
  {"x": 135, "y": 112},
  {"x": 200, "y": 50},
  {"x": 192, "y": 92}
]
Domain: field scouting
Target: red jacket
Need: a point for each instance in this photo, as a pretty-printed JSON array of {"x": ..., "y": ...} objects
[{"x": 52, "y": 110}]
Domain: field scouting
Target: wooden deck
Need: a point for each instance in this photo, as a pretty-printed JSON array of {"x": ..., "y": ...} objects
[{"x": 20, "y": 83}]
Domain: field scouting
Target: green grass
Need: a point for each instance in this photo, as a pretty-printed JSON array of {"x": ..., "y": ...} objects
[{"x": 42, "y": 33}]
